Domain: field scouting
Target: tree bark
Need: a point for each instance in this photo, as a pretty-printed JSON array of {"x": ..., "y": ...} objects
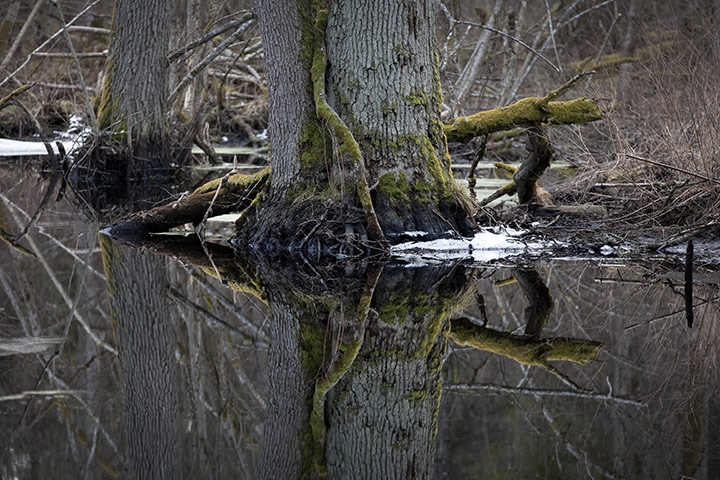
[
  {"x": 359, "y": 151},
  {"x": 382, "y": 415},
  {"x": 134, "y": 97}
]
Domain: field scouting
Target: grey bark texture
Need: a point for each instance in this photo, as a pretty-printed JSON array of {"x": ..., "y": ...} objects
[
  {"x": 138, "y": 286},
  {"x": 136, "y": 86},
  {"x": 289, "y": 100},
  {"x": 383, "y": 81}
]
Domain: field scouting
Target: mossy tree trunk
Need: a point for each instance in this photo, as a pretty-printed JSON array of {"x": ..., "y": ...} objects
[
  {"x": 135, "y": 92},
  {"x": 357, "y": 142},
  {"x": 382, "y": 415}
]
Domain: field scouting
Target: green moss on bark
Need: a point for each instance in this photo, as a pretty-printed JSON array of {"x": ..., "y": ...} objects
[{"x": 528, "y": 111}]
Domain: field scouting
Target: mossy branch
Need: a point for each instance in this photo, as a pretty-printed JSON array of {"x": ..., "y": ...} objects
[
  {"x": 6, "y": 100},
  {"x": 341, "y": 132},
  {"x": 524, "y": 349},
  {"x": 235, "y": 195},
  {"x": 523, "y": 113}
]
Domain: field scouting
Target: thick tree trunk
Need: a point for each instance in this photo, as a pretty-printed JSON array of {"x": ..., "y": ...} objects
[
  {"x": 290, "y": 388},
  {"x": 134, "y": 97},
  {"x": 355, "y": 126},
  {"x": 138, "y": 286},
  {"x": 384, "y": 83}
]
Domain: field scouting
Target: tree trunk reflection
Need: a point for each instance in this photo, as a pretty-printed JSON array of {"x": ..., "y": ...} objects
[{"x": 138, "y": 287}]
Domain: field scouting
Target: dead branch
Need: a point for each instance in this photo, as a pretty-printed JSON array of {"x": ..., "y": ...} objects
[
  {"x": 89, "y": 110},
  {"x": 237, "y": 193},
  {"x": 20, "y": 36},
  {"x": 206, "y": 61},
  {"x": 102, "y": 54},
  {"x": 48, "y": 41},
  {"x": 210, "y": 35},
  {"x": 476, "y": 388},
  {"x": 6, "y": 101}
]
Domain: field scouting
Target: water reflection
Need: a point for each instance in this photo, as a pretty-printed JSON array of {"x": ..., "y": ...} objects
[{"x": 214, "y": 365}]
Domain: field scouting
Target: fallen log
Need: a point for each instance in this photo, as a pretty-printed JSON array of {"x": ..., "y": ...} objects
[{"x": 229, "y": 194}]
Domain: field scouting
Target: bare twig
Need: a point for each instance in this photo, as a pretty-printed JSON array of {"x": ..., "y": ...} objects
[
  {"x": 19, "y": 38},
  {"x": 61, "y": 86},
  {"x": 671, "y": 167},
  {"x": 552, "y": 36},
  {"x": 41, "y": 394},
  {"x": 206, "y": 61},
  {"x": 209, "y": 36},
  {"x": 514, "y": 39},
  {"x": 51, "y": 275},
  {"x": 213, "y": 320},
  {"x": 86, "y": 98},
  {"x": 83, "y": 29},
  {"x": 48, "y": 41},
  {"x": 102, "y": 54},
  {"x": 472, "y": 67}
]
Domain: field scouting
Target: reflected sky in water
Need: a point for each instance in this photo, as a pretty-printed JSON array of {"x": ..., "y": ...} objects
[{"x": 123, "y": 362}]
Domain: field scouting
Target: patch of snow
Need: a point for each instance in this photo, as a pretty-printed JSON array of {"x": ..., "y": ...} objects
[
  {"x": 607, "y": 250},
  {"x": 17, "y": 148},
  {"x": 486, "y": 245},
  {"x": 71, "y": 140},
  {"x": 262, "y": 135}
]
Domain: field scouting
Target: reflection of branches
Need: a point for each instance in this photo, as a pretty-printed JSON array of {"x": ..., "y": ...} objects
[
  {"x": 213, "y": 321},
  {"x": 476, "y": 388},
  {"x": 61, "y": 290}
]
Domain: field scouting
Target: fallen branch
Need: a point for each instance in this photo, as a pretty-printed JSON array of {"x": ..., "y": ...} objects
[
  {"x": 523, "y": 349},
  {"x": 236, "y": 195},
  {"x": 102, "y": 54},
  {"x": 6, "y": 101}
]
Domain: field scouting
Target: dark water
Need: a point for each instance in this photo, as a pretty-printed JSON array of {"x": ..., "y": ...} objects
[{"x": 144, "y": 365}]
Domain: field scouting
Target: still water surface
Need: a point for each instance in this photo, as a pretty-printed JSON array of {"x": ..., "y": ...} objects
[{"x": 121, "y": 362}]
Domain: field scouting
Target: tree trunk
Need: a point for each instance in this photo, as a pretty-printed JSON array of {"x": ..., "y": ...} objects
[
  {"x": 357, "y": 142},
  {"x": 290, "y": 389},
  {"x": 134, "y": 97}
]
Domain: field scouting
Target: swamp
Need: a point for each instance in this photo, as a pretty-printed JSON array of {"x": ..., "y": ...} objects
[{"x": 359, "y": 239}]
